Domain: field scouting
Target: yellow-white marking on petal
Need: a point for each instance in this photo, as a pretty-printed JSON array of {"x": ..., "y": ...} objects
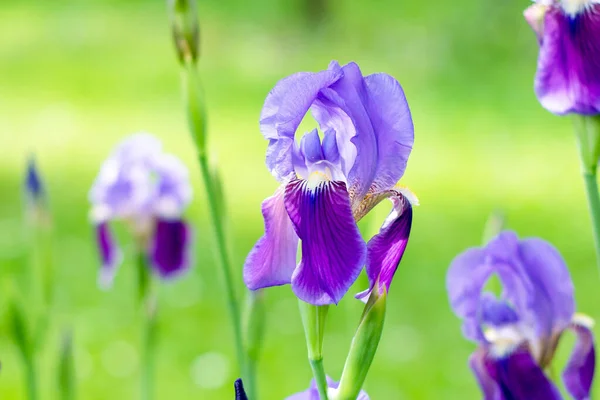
[
  {"x": 583, "y": 320},
  {"x": 574, "y": 7},
  {"x": 316, "y": 178},
  {"x": 504, "y": 339},
  {"x": 409, "y": 194}
]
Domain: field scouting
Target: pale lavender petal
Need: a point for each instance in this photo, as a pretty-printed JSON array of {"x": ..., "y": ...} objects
[
  {"x": 568, "y": 71},
  {"x": 465, "y": 280},
  {"x": 333, "y": 251},
  {"x": 170, "y": 248},
  {"x": 579, "y": 373},
  {"x": 393, "y": 127},
  {"x": 553, "y": 304},
  {"x": 495, "y": 312},
  {"x": 385, "y": 250},
  {"x": 312, "y": 392},
  {"x": 520, "y": 378},
  {"x": 353, "y": 126},
  {"x": 110, "y": 255},
  {"x": 284, "y": 108},
  {"x": 273, "y": 259},
  {"x": 489, "y": 387},
  {"x": 311, "y": 147}
]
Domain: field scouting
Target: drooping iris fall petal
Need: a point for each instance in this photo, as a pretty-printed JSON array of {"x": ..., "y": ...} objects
[
  {"x": 579, "y": 372},
  {"x": 110, "y": 255},
  {"x": 272, "y": 260},
  {"x": 333, "y": 251},
  {"x": 169, "y": 253}
]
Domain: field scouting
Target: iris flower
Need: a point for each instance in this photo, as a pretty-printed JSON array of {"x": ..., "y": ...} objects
[
  {"x": 568, "y": 72},
  {"x": 313, "y": 394},
  {"x": 518, "y": 332},
  {"x": 147, "y": 190},
  {"x": 329, "y": 181}
]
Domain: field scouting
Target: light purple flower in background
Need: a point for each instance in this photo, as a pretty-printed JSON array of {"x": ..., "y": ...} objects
[
  {"x": 568, "y": 72},
  {"x": 148, "y": 190},
  {"x": 518, "y": 332},
  {"x": 313, "y": 394},
  {"x": 330, "y": 181}
]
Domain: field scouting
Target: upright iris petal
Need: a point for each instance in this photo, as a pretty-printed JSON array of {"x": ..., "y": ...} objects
[
  {"x": 329, "y": 179},
  {"x": 518, "y": 332},
  {"x": 148, "y": 190},
  {"x": 568, "y": 72}
]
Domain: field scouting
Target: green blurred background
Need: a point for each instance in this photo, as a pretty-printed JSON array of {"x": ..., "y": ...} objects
[{"x": 77, "y": 76}]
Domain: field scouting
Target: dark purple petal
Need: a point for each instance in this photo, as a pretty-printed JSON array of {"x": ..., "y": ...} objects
[
  {"x": 110, "y": 255},
  {"x": 520, "y": 378},
  {"x": 284, "y": 108},
  {"x": 385, "y": 250},
  {"x": 333, "y": 251},
  {"x": 579, "y": 373},
  {"x": 34, "y": 187},
  {"x": 272, "y": 260},
  {"x": 240, "y": 393},
  {"x": 568, "y": 71},
  {"x": 170, "y": 248},
  {"x": 393, "y": 127},
  {"x": 477, "y": 362}
]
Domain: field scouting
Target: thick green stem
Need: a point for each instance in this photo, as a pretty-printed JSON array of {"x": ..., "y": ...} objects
[
  {"x": 320, "y": 377},
  {"x": 313, "y": 320},
  {"x": 587, "y": 129},
  {"x": 591, "y": 187}
]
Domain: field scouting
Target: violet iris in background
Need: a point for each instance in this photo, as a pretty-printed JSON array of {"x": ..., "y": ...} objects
[
  {"x": 568, "y": 73},
  {"x": 313, "y": 394},
  {"x": 148, "y": 190},
  {"x": 330, "y": 181},
  {"x": 518, "y": 332}
]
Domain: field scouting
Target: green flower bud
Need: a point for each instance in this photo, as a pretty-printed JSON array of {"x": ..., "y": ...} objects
[
  {"x": 363, "y": 348},
  {"x": 186, "y": 31}
]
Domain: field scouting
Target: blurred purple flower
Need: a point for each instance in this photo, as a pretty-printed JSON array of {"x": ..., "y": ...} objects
[
  {"x": 34, "y": 187},
  {"x": 148, "y": 190},
  {"x": 519, "y": 331},
  {"x": 568, "y": 72},
  {"x": 313, "y": 394},
  {"x": 329, "y": 183}
]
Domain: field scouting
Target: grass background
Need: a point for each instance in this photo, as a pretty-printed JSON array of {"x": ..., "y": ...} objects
[{"x": 77, "y": 76}]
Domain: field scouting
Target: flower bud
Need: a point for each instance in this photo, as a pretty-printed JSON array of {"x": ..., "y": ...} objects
[
  {"x": 363, "y": 347},
  {"x": 186, "y": 32}
]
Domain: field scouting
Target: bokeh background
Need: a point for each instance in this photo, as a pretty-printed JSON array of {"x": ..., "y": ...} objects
[{"x": 77, "y": 76}]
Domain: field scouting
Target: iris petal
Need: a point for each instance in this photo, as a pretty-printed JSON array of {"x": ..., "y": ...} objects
[
  {"x": 333, "y": 251},
  {"x": 109, "y": 253},
  {"x": 170, "y": 248},
  {"x": 273, "y": 259},
  {"x": 477, "y": 362},
  {"x": 579, "y": 373},
  {"x": 385, "y": 250},
  {"x": 520, "y": 378},
  {"x": 568, "y": 71}
]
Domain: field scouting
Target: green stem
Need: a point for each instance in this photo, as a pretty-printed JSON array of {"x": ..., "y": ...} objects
[
  {"x": 320, "y": 377},
  {"x": 591, "y": 187},
  {"x": 587, "y": 129},
  {"x": 232, "y": 303},
  {"x": 147, "y": 302},
  {"x": 31, "y": 377}
]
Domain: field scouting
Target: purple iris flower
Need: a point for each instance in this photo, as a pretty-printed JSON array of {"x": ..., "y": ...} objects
[
  {"x": 34, "y": 187},
  {"x": 148, "y": 190},
  {"x": 331, "y": 180},
  {"x": 517, "y": 333},
  {"x": 568, "y": 73},
  {"x": 313, "y": 393}
]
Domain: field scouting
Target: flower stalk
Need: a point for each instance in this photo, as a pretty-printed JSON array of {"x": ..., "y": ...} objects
[
  {"x": 313, "y": 320},
  {"x": 587, "y": 130},
  {"x": 148, "y": 307},
  {"x": 185, "y": 28},
  {"x": 66, "y": 368},
  {"x": 254, "y": 328}
]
